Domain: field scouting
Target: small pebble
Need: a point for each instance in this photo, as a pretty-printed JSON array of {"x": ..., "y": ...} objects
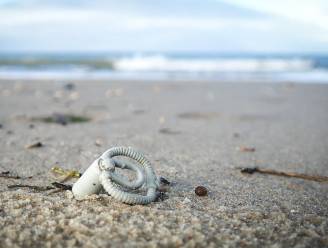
[
  {"x": 31, "y": 126},
  {"x": 98, "y": 142},
  {"x": 200, "y": 191},
  {"x": 168, "y": 131},
  {"x": 69, "y": 86},
  {"x": 1, "y": 126}
]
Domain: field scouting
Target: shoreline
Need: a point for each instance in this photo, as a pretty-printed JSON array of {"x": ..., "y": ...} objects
[{"x": 162, "y": 81}]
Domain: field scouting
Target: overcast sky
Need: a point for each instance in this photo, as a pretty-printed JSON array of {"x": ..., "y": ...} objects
[{"x": 287, "y": 26}]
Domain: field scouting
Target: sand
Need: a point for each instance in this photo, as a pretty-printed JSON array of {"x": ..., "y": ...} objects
[{"x": 193, "y": 133}]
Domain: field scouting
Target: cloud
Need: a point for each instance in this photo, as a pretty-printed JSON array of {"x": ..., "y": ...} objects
[
  {"x": 313, "y": 12},
  {"x": 143, "y": 25}
]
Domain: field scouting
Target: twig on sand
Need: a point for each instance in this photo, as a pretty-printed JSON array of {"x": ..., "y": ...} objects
[
  {"x": 62, "y": 186},
  {"x": 6, "y": 174},
  {"x": 251, "y": 170},
  {"x": 34, "y": 145},
  {"x": 55, "y": 186},
  {"x": 59, "y": 187},
  {"x": 34, "y": 187}
]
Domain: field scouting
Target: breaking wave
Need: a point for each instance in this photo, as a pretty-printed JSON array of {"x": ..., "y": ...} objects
[{"x": 166, "y": 66}]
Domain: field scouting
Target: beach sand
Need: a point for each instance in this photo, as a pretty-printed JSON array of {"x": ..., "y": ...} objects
[{"x": 194, "y": 133}]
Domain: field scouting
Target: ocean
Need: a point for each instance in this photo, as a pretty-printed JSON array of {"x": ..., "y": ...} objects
[{"x": 309, "y": 68}]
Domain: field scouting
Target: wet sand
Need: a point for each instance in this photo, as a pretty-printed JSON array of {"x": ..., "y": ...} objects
[{"x": 194, "y": 133}]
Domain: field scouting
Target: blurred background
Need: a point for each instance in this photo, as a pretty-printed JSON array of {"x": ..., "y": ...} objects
[{"x": 235, "y": 40}]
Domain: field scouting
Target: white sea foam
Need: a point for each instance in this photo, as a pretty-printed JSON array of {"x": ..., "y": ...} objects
[
  {"x": 168, "y": 67},
  {"x": 165, "y": 64}
]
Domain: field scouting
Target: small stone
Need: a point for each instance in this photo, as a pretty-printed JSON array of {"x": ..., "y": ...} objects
[
  {"x": 200, "y": 191},
  {"x": 98, "y": 142},
  {"x": 1, "y": 126},
  {"x": 236, "y": 135},
  {"x": 69, "y": 86},
  {"x": 161, "y": 120}
]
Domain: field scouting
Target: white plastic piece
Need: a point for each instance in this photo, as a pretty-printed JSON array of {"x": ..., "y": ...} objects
[
  {"x": 101, "y": 174},
  {"x": 88, "y": 183}
]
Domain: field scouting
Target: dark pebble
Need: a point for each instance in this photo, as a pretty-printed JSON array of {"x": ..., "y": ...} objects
[
  {"x": 236, "y": 135},
  {"x": 164, "y": 181},
  {"x": 1, "y": 126},
  {"x": 69, "y": 86},
  {"x": 200, "y": 191}
]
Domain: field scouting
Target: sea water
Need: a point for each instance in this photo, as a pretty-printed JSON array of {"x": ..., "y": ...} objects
[{"x": 167, "y": 66}]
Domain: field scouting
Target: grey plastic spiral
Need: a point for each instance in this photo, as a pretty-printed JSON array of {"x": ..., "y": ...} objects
[{"x": 145, "y": 176}]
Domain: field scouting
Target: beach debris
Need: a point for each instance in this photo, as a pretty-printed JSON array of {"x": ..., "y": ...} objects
[
  {"x": 98, "y": 142},
  {"x": 74, "y": 96},
  {"x": 68, "y": 174},
  {"x": 63, "y": 119},
  {"x": 251, "y": 170},
  {"x": 117, "y": 92},
  {"x": 162, "y": 196},
  {"x": 34, "y": 145},
  {"x": 186, "y": 200},
  {"x": 101, "y": 174},
  {"x": 69, "y": 86},
  {"x": 246, "y": 149},
  {"x": 198, "y": 115},
  {"x": 138, "y": 111},
  {"x": 161, "y": 120},
  {"x": 6, "y": 174},
  {"x": 164, "y": 181},
  {"x": 33, "y": 187},
  {"x": 10, "y": 132},
  {"x": 31, "y": 126},
  {"x": 236, "y": 135},
  {"x": 168, "y": 131},
  {"x": 201, "y": 191},
  {"x": 1, "y": 126},
  {"x": 164, "y": 187},
  {"x": 62, "y": 186},
  {"x": 57, "y": 186}
]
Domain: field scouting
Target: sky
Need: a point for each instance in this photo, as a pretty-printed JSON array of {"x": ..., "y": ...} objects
[{"x": 225, "y": 26}]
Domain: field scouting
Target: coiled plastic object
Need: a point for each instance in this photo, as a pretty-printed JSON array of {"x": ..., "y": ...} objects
[{"x": 101, "y": 174}]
